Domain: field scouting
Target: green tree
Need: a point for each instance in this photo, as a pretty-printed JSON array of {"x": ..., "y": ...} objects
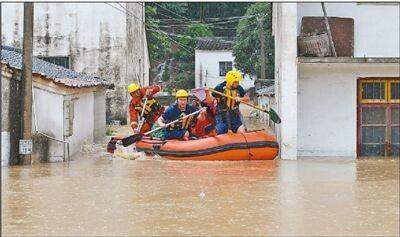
[
  {"x": 158, "y": 44},
  {"x": 247, "y": 48}
]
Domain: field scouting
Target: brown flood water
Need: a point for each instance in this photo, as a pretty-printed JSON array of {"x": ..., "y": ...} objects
[
  {"x": 97, "y": 194},
  {"x": 102, "y": 196}
]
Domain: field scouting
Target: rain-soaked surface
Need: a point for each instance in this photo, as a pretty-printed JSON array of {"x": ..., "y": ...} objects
[{"x": 98, "y": 194}]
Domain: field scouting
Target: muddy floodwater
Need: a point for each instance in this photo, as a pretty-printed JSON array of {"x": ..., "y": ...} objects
[{"x": 102, "y": 195}]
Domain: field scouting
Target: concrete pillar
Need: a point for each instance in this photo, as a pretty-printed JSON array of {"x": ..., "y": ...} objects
[{"x": 287, "y": 76}]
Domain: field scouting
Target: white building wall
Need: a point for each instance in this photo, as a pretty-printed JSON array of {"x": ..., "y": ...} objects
[
  {"x": 83, "y": 124},
  {"x": 327, "y": 123},
  {"x": 97, "y": 38},
  {"x": 99, "y": 111},
  {"x": 207, "y": 66},
  {"x": 48, "y": 119},
  {"x": 286, "y": 89},
  {"x": 376, "y": 25}
]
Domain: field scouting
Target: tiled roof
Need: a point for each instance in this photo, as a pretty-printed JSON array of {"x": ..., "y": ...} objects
[
  {"x": 214, "y": 44},
  {"x": 13, "y": 58}
]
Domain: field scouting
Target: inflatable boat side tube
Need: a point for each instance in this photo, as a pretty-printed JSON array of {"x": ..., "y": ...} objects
[{"x": 213, "y": 150}]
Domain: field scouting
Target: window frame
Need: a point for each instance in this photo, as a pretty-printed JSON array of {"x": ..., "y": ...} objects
[
  {"x": 390, "y": 100},
  {"x": 226, "y": 68},
  {"x": 364, "y": 101}
]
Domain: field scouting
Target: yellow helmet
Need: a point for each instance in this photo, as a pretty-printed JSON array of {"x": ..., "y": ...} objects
[
  {"x": 181, "y": 93},
  {"x": 233, "y": 76},
  {"x": 133, "y": 87}
]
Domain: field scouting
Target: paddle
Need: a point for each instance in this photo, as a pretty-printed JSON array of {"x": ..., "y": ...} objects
[
  {"x": 141, "y": 119},
  {"x": 127, "y": 141},
  {"x": 272, "y": 114}
]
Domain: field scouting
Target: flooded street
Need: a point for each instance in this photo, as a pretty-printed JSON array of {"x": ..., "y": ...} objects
[
  {"x": 100, "y": 195},
  {"x": 131, "y": 194}
]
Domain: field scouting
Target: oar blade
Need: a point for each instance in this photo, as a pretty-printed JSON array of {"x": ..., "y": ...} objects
[
  {"x": 127, "y": 141},
  {"x": 274, "y": 116}
]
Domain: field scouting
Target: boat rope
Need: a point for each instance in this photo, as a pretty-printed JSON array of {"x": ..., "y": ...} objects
[{"x": 247, "y": 145}]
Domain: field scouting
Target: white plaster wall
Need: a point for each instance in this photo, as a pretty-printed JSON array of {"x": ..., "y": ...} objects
[
  {"x": 376, "y": 26},
  {"x": 48, "y": 119},
  {"x": 207, "y": 61},
  {"x": 286, "y": 77},
  {"x": 94, "y": 35},
  {"x": 327, "y": 98},
  {"x": 99, "y": 117},
  {"x": 5, "y": 148},
  {"x": 83, "y": 122},
  {"x": 77, "y": 25}
]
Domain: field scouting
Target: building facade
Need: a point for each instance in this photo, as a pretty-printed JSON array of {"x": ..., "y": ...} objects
[
  {"x": 338, "y": 106},
  {"x": 68, "y": 108},
  {"x": 103, "y": 39},
  {"x": 213, "y": 58}
]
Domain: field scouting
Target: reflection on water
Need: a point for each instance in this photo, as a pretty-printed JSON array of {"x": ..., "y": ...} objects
[{"x": 102, "y": 196}]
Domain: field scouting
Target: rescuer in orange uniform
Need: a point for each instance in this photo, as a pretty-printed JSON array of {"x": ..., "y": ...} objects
[
  {"x": 205, "y": 122},
  {"x": 152, "y": 109}
]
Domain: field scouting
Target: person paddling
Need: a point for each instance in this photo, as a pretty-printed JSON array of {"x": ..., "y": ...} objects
[
  {"x": 181, "y": 108},
  {"x": 143, "y": 104},
  {"x": 228, "y": 118}
]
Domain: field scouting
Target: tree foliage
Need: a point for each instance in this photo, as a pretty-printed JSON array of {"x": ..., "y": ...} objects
[
  {"x": 158, "y": 43},
  {"x": 247, "y": 49},
  {"x": 185, "y": 22}
]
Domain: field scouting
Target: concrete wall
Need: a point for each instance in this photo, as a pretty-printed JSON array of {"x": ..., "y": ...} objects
[
  {"x": 207, "y": 67},
  {"x": 48, "y": 119},
  {"x": 99, "y": 114},
  {"x": 376, "y": 26},
  {"x": 285, "y": 31},
  {"x": 5, "y": 99},
  {"x": 5, "y": 131},
  {"x": 98, "y": 38},
  {"x": 327, "y": 109},
  {"x": 83, "y": 125}
]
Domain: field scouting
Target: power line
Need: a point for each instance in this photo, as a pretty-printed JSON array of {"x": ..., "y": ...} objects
[
  {"x": 214, "y": 23},
  {"x": 126, "y": 11},
  {"x": 122, "y": 10},
  {"x": 176, "y": 14}
]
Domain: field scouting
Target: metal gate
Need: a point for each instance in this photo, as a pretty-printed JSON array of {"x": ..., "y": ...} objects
[{"x": 378, "y": 117}]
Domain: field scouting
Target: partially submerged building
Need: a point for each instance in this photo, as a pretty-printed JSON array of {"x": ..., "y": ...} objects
[
  {"x": 347, "y": 105},
  {"x": 69, "y": 108},
  {"x": 104, "y": 39}
]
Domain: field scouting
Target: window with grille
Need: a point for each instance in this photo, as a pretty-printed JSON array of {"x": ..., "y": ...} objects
[
  {"x": 379, "y": 117},
  {"x": 62, "y": 61},
  {"x": 224, "y": 67}
]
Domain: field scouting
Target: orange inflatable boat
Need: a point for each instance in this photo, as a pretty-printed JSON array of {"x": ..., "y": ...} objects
[{"x": 255, "y": 145}]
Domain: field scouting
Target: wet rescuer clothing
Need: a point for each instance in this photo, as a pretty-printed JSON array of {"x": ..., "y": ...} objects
[
  {"x": 177, "y": 130},
  {"x": 152, "y": 111},
  {"x": 228, "y": 114}
]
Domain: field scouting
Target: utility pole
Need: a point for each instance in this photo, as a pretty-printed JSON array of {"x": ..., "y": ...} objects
[
  {"x": 262, "y": 56},
  {"x": 26, "y": 100},
  {"x": 262, "y": 42}
]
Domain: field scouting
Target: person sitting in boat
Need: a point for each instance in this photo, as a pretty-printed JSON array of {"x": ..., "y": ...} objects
[
  {"x": 228, "y": 118},
  {"x": 204, "y": 125},
  {"x": 152, "y": 109},
  {"x": 181, "y": 108}
]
